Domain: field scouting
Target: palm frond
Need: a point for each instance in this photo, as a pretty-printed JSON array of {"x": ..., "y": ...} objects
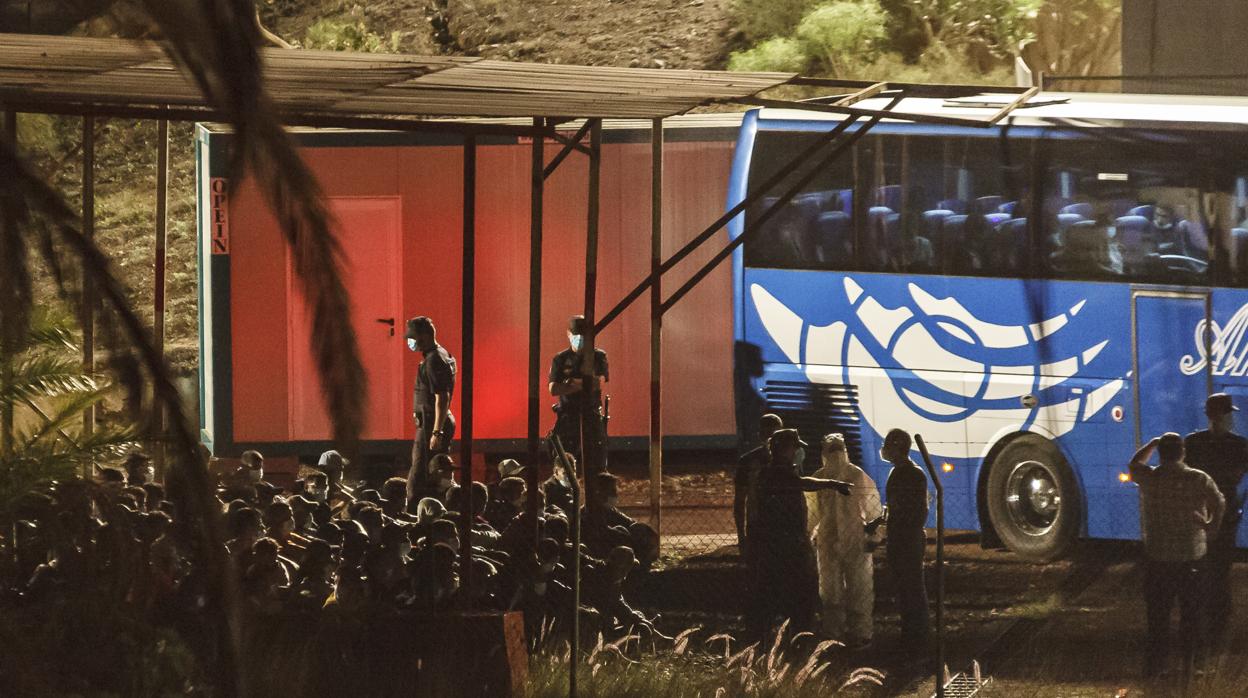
[
  {"x": 36, "y": 377},
  {"x": 64, "y": 416},
  {"x": 217, "y": 42}
]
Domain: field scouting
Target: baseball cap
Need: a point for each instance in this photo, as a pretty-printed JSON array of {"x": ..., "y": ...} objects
[
  {"x": 1220, "y": 403},
  {"x": 332, "y": 460}
]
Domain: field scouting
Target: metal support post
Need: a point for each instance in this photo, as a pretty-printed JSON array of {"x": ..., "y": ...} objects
[
  {"x": 87, "y": 319},
  {"x": 537, "y": 196},
  {"x": 588, "y": 377},
  {"x": 8, "y": 229},
  {"x": 468, "y": 303},
  {"x": 158, "y": 296},
  {"x": 656, "y": 325},
  {"x": 940, "y": 566}
]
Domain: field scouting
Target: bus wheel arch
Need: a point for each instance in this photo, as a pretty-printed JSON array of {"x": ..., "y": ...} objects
[{"x": 1029, "y": 497}]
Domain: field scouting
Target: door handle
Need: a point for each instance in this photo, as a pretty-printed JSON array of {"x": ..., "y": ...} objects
[{"x": 387, "y": 321}]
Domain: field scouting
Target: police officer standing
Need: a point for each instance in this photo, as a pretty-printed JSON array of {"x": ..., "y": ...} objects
[
  {"x": 431, "y": 401},
  {"x": 576, "y": 398},
  {"x": 1223, "y": 455},
  {"x": 784, "y": 580}
]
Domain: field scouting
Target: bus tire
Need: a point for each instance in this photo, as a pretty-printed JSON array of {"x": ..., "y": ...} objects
[{"x": 1033, "y": 499}]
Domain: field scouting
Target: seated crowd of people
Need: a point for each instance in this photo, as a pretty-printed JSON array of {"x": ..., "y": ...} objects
[
  {"x": 984, "y": 236},
  {"x": 325, "y": 545}
]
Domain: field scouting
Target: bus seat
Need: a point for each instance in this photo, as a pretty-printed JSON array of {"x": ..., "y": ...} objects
[
  {"x": 988, "y": 204},
  {"x": 1082, "y": 208},
  {"x": 1008, "y": 207},
  {"x": 1239, "y": 252},
  {"x": 820, "y": 198},
  {"x": 955, "y": 205},
  {"x": 1195, "y": 239},
  {"x": 932, "y": 221},
  {"x": 833, "y": 241},
  {"x": 876, "y": 246},
  {"x": 1146, "y": 210},
  {"x": 996, "y": 219},
  {"x": 1013, "y": 239},
  {"x": 1121, "y": 207},
  {"x": 1064, "y": 221},
  {"x": 845, "y": 201},
  {"x": 1131, "y": 233},
  {"x": 889, "y": 195}
]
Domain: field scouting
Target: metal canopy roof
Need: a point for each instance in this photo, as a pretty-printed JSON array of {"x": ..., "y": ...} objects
[{"x": 134, "y": 78}]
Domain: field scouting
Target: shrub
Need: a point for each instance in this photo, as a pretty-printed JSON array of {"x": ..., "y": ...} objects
[
  {"x": 347, "y": 34},
  {"x": 843, "y": 34},
  {"x": 762, "y": 19},
  {"x": 775, "y": 54}
]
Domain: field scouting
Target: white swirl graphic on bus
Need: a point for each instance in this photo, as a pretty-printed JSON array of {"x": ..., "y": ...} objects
[
  {"x": 960, "y": 401},
  {"x": 1230, "y": 351}
]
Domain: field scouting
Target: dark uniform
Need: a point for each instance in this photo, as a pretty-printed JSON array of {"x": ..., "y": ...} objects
[
  {"x": 906, "y": 491},
  {"x": 568, "y": 410},
  {"x": 1224, "y": 457},
  {"x": 785, "y": 583},
  {"x": 748, "y": 466},
  {"x": 435, "y": 375}
]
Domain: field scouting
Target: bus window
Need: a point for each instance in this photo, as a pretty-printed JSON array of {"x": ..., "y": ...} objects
[
  {"x": 1127, "y": 209},
  {"x": 965, "y": 206},
  {"x": 812, "y": 231}
]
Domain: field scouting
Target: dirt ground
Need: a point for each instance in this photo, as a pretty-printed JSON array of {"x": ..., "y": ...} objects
[
  {"x": 626, "y": 33},
  {"x": 1073, "y": 627}
]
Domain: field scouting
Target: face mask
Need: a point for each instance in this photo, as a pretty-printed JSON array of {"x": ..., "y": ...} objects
[
  {"x": 539, "y": 588},
  {"x": 149, "y": 474},
  {"x": 255, "y": 475},
  {"x": 446, "y": 482},
  {"x": 799, "y": 458},
  {"x": 405, "y": 549},
  {"x": 286, "y": 527},
  {"x": 613, "y": 501},
  {"x": 576, "y": 340},
  {"x": 411, "y": 344},
  {"x": 518, "y": 502},
  {"x": 1225, "y": 421},
  {"x": 548, "y": 568}
]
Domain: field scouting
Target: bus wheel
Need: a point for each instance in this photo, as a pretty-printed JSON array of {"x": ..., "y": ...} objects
[{"x": 1033, "y": 499}]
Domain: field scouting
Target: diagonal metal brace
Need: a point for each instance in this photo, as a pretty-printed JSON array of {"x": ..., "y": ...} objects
[{"x": 569, "y": 144}]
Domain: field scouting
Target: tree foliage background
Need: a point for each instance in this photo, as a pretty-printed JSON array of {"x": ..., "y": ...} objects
[{"x": 928, "y": 40}]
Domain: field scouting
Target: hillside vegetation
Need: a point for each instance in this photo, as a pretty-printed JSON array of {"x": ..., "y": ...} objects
[{"x": 913, "y": 40}]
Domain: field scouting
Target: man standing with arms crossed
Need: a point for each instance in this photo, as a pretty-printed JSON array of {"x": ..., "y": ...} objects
[
  {"x": 577, "y": 399},
  {"x": 1223, "y": 455},
  {"x": 431, "y": 401}
]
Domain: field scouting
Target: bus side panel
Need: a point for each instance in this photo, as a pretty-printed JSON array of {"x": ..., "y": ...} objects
[
  {"x": 961, "y": 361},
  {"x": 1229, "y": 367}
]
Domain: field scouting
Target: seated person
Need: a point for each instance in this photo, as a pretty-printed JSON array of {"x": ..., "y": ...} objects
[
  {"x": 603, "y": 590},
  {"x": 1086, "y": 251},
  {"x": 507, "y": 504},
  {"x": 558, "y": 488},
  {"x": 266, "y": 579},
  {"x": 605, "y": 527}
]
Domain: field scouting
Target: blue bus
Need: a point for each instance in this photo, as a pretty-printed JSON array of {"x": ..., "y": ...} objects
[{"x": 1035, "y": 299}]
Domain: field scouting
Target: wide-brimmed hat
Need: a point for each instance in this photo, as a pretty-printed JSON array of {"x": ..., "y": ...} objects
[{"x": 789, "y": 435}]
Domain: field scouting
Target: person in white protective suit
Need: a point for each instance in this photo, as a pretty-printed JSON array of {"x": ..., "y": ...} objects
[{"x": 842, "y": 528}]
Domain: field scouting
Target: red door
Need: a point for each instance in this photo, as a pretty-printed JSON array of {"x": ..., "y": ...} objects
[{"x": 368, "y": 232}]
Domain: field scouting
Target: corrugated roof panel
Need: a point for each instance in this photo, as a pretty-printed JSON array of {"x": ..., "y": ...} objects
[{"x": 61, "y": 71}]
